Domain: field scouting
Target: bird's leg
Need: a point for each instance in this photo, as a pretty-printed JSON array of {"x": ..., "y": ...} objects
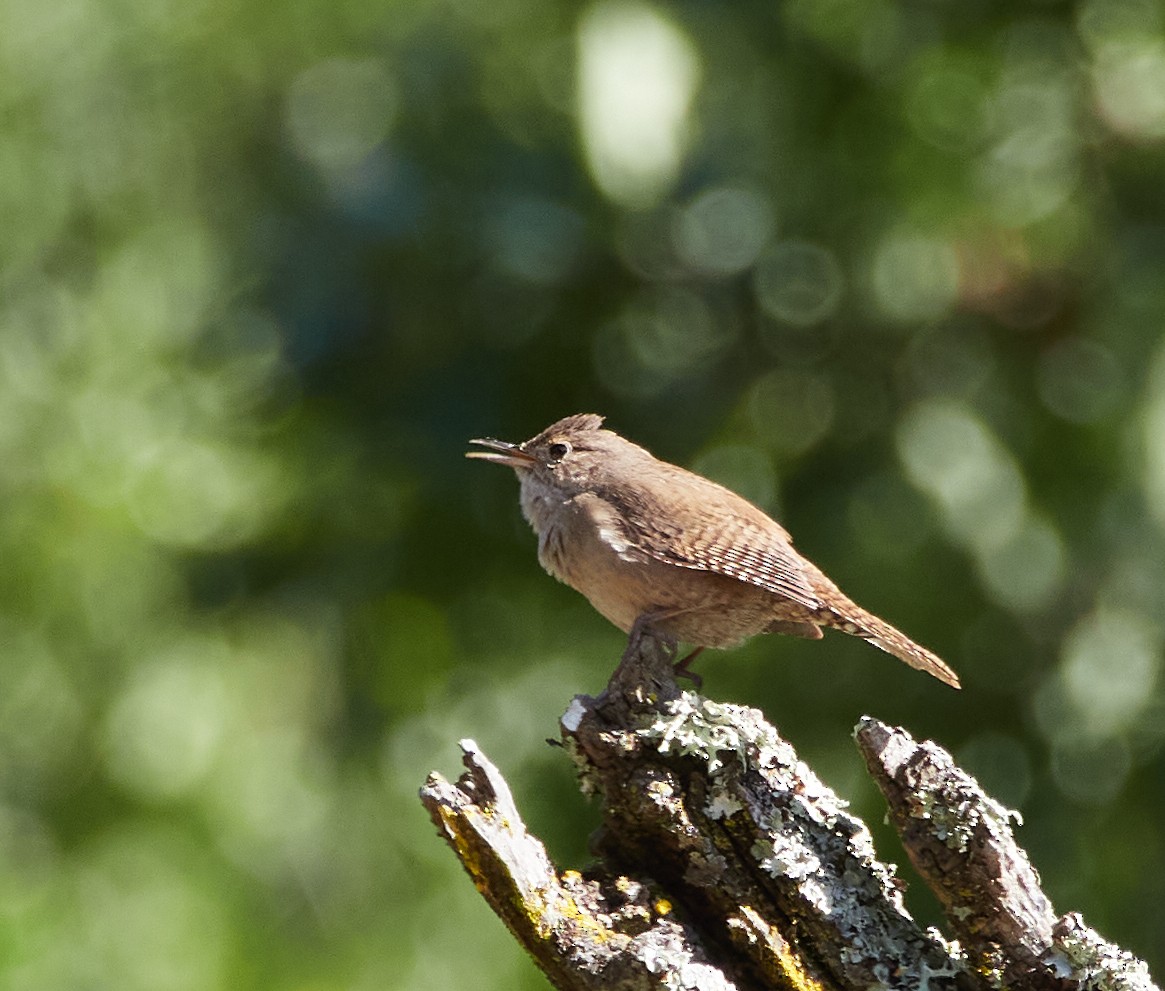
[
  {"x": 648, "y": 624},
  {"x": 683, "y": 670},
  {"x": 645, "y": 627},
  {"x": 645, "y": 669},
  {"x": 649, "y": 653}
]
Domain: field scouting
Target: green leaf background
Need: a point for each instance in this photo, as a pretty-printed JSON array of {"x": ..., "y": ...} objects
[{"x": 896, "y": 271}]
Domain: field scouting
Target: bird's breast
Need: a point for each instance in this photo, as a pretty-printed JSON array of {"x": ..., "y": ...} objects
[
  {"x": 579, "y": 547},
  {"x": 552, "y": 552},
  {"x": 581, "y": 543}
]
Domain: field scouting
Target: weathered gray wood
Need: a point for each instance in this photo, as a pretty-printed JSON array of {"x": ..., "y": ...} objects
[
  {"x": 723, "y": 862},
  {"x": 604, "y": 930},
  {"x": 962, "y": 843}
]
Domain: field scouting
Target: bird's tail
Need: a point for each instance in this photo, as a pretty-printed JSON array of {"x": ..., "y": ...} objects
[{"x": 854, "y": 620}]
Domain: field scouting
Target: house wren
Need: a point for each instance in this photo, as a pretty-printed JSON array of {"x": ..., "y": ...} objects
[{"x": 660, "y": 550}]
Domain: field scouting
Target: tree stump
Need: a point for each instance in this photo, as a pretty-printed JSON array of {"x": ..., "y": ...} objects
[{"x": 723, "y": 862}]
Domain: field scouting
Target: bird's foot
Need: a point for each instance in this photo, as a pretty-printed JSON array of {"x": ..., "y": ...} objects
[
  {"x": 648, "y": 654},
  {"x": 682, "y": 669}
]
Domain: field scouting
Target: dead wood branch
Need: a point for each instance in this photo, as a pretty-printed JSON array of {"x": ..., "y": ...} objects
[{"x": 723, "y": 862}]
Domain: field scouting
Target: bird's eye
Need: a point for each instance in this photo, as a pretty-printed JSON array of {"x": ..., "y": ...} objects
[{"x": 558, "y": 451}]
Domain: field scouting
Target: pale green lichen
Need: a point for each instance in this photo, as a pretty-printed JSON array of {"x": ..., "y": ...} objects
[
  {"x": 665, "y": 953},
  {"x": 818, "y": 895},
  {"x": 945, "y": 973},
  {"x": 660, "y": 791},
  {"x": 952, "y": 947},
  {"x": 722, "y": 806},
  {"x": 832, "y": 863},
  {"x": 696, "y": 726},
  {"x": 784, "y": 855},
  {"x": 1082, "y": 955},
  {"x": 718, "y": 732},
  {"x": 588, "y": 777},
  {"x": 955, "y": 824}
]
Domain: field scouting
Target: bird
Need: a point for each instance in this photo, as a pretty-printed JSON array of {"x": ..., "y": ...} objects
[{"x": 662, "y": 551}]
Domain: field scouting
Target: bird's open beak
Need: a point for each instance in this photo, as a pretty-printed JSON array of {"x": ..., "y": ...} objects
[{"x": 502, "y": 452}]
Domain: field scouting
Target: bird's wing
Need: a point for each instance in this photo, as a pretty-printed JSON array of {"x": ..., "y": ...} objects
[{"x": 705, "y": 527}]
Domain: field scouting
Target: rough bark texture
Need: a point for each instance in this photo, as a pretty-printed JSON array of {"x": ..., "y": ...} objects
[
  {"x": 723, "y": 862},
  {"x": 961, "y": 842}
]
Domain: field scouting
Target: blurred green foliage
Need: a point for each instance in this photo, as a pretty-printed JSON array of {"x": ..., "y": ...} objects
[{"x": 894, "y": 270}]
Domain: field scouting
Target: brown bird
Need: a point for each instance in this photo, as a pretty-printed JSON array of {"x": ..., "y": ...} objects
[{"x": 660, "y": 550}]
